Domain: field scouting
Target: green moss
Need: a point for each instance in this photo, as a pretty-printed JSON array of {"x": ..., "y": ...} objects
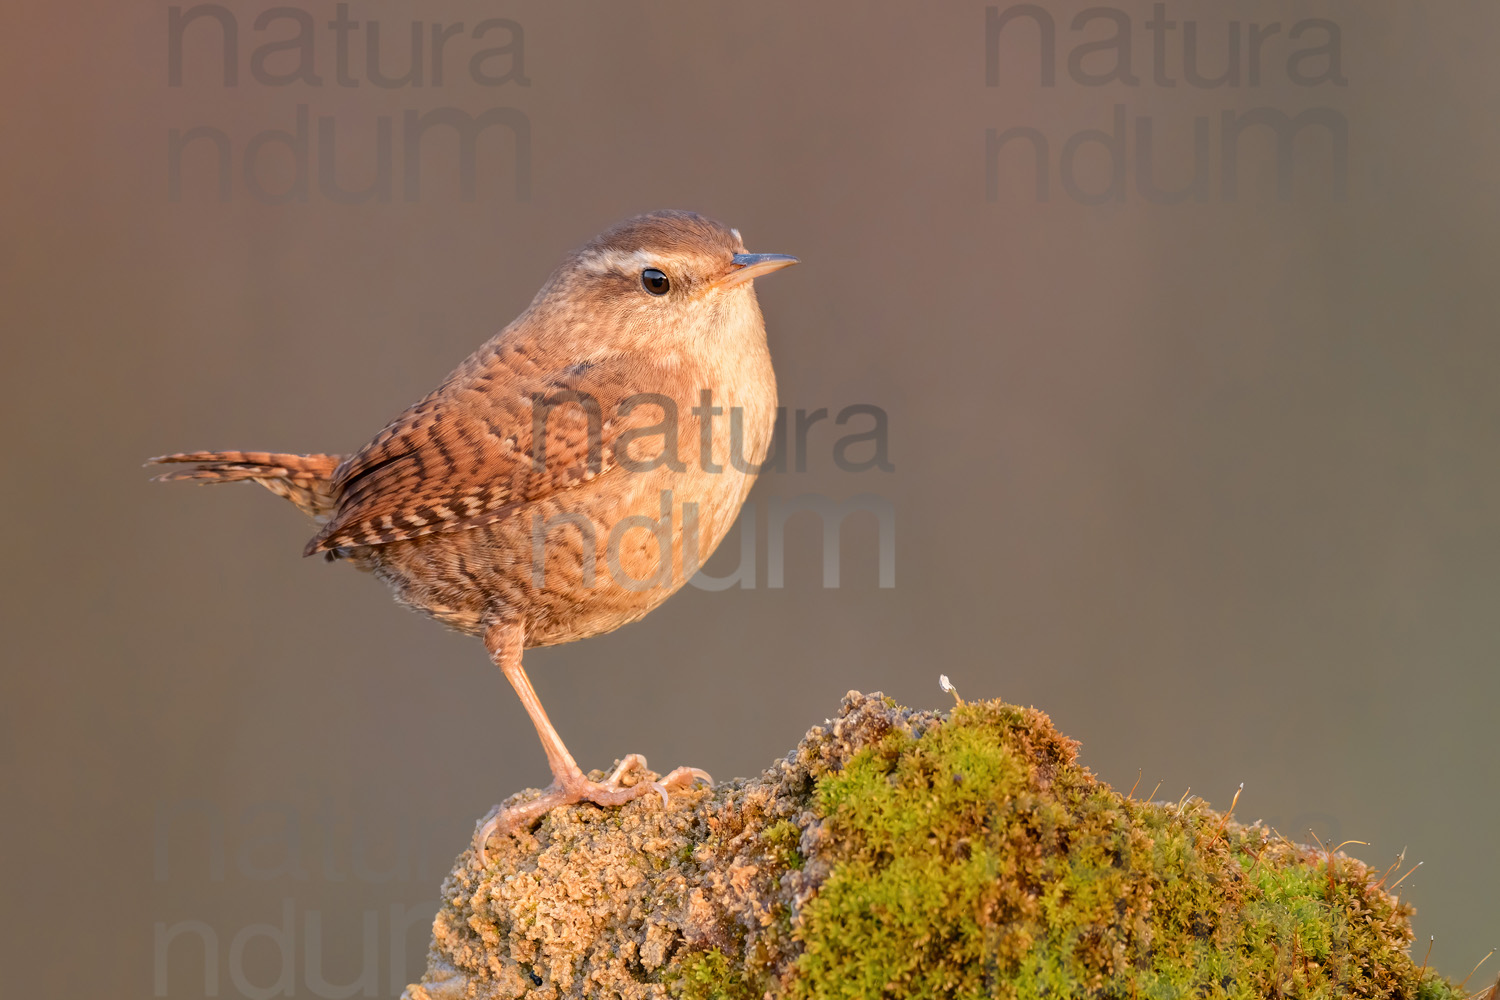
[
  {"x": 783, "y": 838},
  {"x": 905, "y": 854},
  {"x": 711, "y": 976},
  {"x": 980, "y": 860}
]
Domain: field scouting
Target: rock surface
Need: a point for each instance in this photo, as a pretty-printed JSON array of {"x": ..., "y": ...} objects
[{"x": 900, "y": 853}]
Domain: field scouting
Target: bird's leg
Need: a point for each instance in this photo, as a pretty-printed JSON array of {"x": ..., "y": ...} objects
[{"x": 569, "y": 784}]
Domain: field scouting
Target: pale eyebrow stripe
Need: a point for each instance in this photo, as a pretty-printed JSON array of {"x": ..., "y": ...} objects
[{"x": 607, "y": 261}]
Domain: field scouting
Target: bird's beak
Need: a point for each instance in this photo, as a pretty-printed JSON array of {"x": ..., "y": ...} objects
[{"x": 753, "y": 265}]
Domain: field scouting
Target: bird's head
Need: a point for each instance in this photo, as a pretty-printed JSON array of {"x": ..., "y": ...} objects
[{"x": 667, "y": 281}]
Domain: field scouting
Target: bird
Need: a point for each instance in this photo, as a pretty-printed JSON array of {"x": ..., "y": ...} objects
[{"x": 569, "y": 476}]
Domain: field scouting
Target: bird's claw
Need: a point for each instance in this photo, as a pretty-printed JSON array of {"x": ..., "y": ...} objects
[
  {"x": 628, "y": 763},
  {"x": 578, "y": 788},
  {"x": 682, "y": 777}
]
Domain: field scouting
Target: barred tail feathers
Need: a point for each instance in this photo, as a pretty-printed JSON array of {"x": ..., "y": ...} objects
[{"x": 305, "y": 480}]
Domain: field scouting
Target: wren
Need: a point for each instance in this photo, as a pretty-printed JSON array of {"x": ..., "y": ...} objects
[{"x": 569, "y": 476}]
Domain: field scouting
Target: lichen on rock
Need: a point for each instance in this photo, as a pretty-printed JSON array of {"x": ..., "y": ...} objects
[{"x": 901, "y": 853}]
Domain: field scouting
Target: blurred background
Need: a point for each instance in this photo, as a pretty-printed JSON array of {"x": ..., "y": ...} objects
[{"x": 1211, "y": 478}]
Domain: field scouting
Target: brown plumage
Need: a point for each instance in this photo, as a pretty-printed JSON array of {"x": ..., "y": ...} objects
[
  {"x": 512, "y": 501},
  {"x": 305, "y": 480}
]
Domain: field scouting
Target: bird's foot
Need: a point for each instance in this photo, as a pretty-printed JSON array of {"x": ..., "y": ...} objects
[{"x": 577, "y": 787}]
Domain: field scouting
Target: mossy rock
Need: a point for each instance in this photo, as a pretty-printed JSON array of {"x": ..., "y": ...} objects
[{"x": 908, "y": 855}]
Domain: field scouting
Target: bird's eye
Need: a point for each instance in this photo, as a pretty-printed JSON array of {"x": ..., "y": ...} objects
[{"x": 654, "y": 281}]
